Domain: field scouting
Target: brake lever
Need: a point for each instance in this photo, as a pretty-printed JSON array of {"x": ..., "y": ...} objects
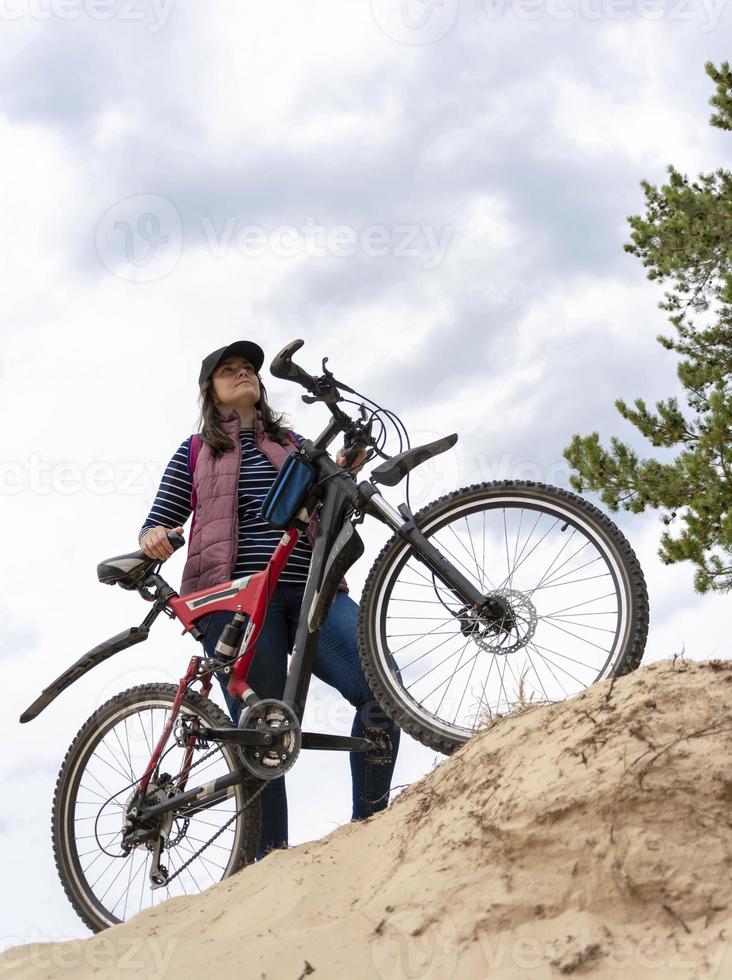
[
  {"x": 324, "y": 391},
  {"x": 360, "y": 442}
]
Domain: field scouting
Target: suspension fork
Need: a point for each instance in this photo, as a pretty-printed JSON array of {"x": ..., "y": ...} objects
[
  {"x": 402, "y": 521},
  {"x": 365, "y": 497}
]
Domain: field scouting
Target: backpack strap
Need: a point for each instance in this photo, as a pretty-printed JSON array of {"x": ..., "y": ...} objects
[{"x": 194, "y": 448}]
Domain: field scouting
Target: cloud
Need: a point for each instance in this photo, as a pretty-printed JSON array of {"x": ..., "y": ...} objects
[
  {"x": 524, "y": 139},
  {"x": 19, "y": 635}
]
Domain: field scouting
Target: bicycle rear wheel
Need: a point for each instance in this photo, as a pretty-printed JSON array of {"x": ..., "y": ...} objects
[
  {"x": 576, "y": 601},
  {"x": 105, "y": 761}
]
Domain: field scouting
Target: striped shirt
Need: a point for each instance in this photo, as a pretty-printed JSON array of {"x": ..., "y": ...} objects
[{"x": 257, "y": 540}]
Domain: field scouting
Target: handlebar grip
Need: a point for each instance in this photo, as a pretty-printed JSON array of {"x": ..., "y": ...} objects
[
  {"x": 176, "y": 539},
  {"x": 284, "y": 367}
]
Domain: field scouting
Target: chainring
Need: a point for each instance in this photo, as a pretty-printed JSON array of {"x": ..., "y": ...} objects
[{"x": 270, "y": 762}]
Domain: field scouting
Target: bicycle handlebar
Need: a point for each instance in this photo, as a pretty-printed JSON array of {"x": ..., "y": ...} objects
[
  {"x": 176, "y": 539},
  {"x": 284, "y": 367},
  {"x": 323, "y": 389}
]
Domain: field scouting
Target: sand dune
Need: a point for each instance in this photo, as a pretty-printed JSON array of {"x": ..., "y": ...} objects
[{"x": 592, "y": 838}]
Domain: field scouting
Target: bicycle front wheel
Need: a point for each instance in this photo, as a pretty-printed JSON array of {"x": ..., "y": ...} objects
[
  {"x": 575, "y": 601},
  {"x": 97, "y": 782}
]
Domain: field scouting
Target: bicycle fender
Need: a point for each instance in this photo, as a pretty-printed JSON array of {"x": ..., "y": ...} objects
[
  {"x": 394, "y": 469},
  {"x": 97, "y": 655}
]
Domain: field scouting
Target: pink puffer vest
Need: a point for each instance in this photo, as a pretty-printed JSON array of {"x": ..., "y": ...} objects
[{"x": 212, "y": 546}]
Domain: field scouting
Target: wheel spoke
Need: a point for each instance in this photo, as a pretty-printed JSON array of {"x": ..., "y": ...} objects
[
  {"x": 587, "y": 578},
  {"x": 552, "y": 562},
  {"x": 480, "y": 570},
  {"x": 509, "y": 571},
  {"x": 452, "y": 675},
  {"x": 466, "y": 664},
  {"x": 457, "y": 561},
  {"x": 518, "y": 537},
  {"x": 105, "y": 788},
  {"x": 585, "y": 626},
  {"x": 433, "y": 668},
  {"x": 587, "y": 602},
  {"x": 533, "y": 544},
  {"x": 520, "y": 559},
  {"x": 571, "y": 571},
  {"x": 482, "y": 693},
  {"x": 126, "y": 753},
  {"x": 467, "y": 686},
  {"x": 550, "y": 622},
  {"x": 427, "y": 652},
  {"x": 548, "y": 663},
  {"x": 536, "y": 673},
  {"x": 436, "y": 631},
  {"x": 556, "y": 653}
]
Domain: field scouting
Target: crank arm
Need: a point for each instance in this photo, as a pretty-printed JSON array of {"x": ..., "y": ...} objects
[
  {"x": 338, "y": 743},
  {"x": 238, "y": 736}
]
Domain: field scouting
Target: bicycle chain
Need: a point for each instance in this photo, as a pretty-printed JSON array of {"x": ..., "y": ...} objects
[
  {"x": 220, "y": 831},
  {"x": 217, "y": 834}
]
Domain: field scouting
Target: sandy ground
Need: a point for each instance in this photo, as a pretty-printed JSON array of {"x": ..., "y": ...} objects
[{"x": 591, "y": 838}]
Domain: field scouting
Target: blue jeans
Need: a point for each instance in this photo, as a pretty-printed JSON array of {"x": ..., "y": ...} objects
[{"x": 337, "y": 663}]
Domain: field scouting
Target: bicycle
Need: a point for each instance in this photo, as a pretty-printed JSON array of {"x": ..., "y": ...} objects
[{"x": 467, "y": 587}]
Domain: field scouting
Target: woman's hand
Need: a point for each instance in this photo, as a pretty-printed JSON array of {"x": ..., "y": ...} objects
[
  {"x": 155, "y": 542},
  {"x": 357, "y": 465}
]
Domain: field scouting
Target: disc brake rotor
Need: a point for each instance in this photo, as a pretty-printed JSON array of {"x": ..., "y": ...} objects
[{"x": 502, "y": 635}]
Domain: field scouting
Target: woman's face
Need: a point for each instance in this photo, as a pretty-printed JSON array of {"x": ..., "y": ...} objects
[{"x": 235, "y": 384}]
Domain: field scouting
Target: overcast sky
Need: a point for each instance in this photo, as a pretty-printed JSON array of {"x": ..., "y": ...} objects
[{"x": 433, "y": 195}]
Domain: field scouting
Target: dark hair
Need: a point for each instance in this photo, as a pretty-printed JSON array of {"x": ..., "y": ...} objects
[{"x": 275, "y": 426}]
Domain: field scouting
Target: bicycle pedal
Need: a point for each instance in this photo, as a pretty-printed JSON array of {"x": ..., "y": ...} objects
[{"x": 380, "y": 752}]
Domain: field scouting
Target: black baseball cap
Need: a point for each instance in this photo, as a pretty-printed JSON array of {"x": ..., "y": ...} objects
[{"x": 243, "y": 348}]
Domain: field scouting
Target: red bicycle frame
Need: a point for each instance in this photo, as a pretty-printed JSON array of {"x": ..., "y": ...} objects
[{"x": 249, "y": 595}]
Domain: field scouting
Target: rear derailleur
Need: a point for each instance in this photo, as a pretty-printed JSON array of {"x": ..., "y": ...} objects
[{"x": 156, "y": 834}]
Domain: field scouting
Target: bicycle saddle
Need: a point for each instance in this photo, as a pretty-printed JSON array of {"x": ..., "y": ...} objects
[
  {"x": 125, "y": 570},
  {"x": 130, "y": 570}
]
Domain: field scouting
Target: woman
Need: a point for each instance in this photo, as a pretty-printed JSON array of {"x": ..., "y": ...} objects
[{"x": 229, "y": 539}]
